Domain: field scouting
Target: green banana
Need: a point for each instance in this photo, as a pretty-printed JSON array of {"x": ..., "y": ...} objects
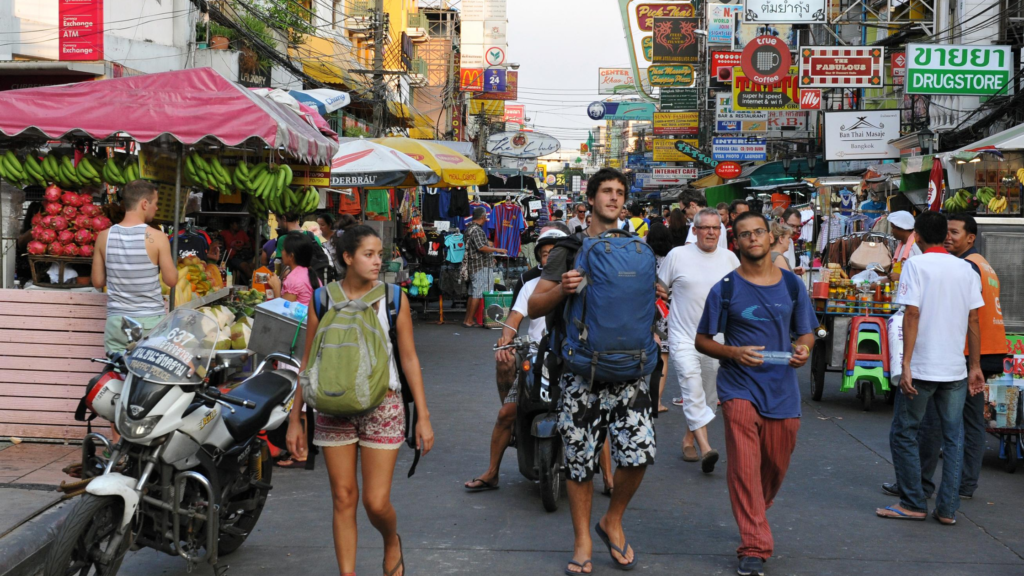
[
  {"x": 32, "y": 166},
  {"x": 243, "y": 168}
]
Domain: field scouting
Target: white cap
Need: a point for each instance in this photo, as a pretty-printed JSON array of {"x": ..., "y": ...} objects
[{"x": 902, "y": 219}]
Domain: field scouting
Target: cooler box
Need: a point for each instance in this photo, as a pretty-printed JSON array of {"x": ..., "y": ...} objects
[
  {"x": 272, "y": 330},
  {"x": 503, "y": 299}
]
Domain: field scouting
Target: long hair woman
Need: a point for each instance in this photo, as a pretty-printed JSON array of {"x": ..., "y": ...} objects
[
  {"x": 374, "y": 437},
  {"x": 678, "y": 227},
  {"x": 783, "y": 235}
]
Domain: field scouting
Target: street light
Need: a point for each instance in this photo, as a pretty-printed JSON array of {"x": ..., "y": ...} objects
[
  {"x": 786, "y": 162},
  {"x": 926, "y": 139},
  {"x": 812, "y": 161}
]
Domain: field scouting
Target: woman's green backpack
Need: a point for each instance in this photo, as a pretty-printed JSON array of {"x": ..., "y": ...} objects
[{"x": 349, "y": 368}]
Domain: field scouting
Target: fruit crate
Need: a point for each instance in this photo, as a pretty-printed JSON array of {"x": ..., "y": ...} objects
[{"x": 40, "y": 272}]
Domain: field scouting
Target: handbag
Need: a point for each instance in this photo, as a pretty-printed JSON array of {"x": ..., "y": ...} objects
[{"x": 869, "y": 253}]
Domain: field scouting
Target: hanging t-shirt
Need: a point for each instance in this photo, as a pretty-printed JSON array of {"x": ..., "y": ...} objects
[
  {"x": 456, "y": 248},
  {"x": 430, "y": 210},
  {"x": 378, "y": 202},
  {"x": 444, "y": 199},
  {"x": 509, "y": 224},
  {"x": 488, "y": 225},
  {"x": 349, "y": 203},
  {"x": 459, "y": 204},
  {"x": 435, "y": 249},
  {"x": 847, "y": 201}
]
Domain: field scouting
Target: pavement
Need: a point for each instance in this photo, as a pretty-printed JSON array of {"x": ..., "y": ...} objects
[{"x": 679, "y": 522}]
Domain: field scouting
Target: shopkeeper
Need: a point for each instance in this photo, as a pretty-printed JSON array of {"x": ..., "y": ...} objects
[{"x": 903, "y": 230}]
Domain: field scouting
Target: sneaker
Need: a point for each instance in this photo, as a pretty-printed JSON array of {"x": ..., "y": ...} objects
[
  {"x": 750, "y": 566},
  {"x": 965, "y": 497},
  {"x": 677, "y": 401}
]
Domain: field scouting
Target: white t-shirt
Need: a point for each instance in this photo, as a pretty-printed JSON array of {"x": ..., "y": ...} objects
[
  {"x": 723, "y": 242},
  {"x": 945, "y": 289},
  {"x": 690, "y": 273},
  {"x": 537, "y": 325}
]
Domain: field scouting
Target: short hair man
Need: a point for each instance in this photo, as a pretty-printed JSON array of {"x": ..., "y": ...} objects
[
  {"x": 558, "y": 215},
  {"x": 791, "y": 217},
  {"x": 736, "y": 207},
  {"x": 586, "y": 417},
  {"x": 690, "y": 271},
  {"x": 636, "y": 220},
  {"x": 695, "y": 203},
  {"x": 579, "y": 221},
  {"x": 760, "y": 400},
  {"x": 723, "y": 213},
  {"x": 942, "y": 295},
  {"x": 902, "y": 223},
  {"x": 479, "y": 262}
]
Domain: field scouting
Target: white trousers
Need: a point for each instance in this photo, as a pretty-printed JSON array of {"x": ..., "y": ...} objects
[{"x": 697, "y": 375}]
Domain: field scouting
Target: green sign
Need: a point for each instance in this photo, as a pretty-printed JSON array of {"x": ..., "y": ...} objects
[
  {"x": 678, "y": 99},
  {"x": 662, "y": 76},
  {"x": 957, "y": 70}
]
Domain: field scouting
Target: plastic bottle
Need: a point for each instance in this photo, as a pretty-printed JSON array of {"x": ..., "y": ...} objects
[
  {"x": 776, "y": 357},
  {"x": 229, "y": 280}
]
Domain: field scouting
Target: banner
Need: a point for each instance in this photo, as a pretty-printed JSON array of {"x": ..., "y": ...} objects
[
  {"x": 80, "y": 29},
  {"x": 638, "y": 25},
  {"x": 782, "y": 95},
  {"x": 511, "y": 89},
  {"x": 955, "y": 69},
  {"x": 675, "y": 41},
  {"x": 721, "y": 22},
  {"x": 730, "y": 121},
  {"x": 676, "y": 99},
  {"x": 861, "y": 134},
  {"x": 739, "y": 149},
  {"x": 471, "y": 79},
  {"x": 615, "y": 81},
  {"x": 936, "y": 187},
  {"x": 785, "y": 11},
  {"x": 841, "y": 67},
  {"x": 671, "y": 150},
  {"x": 666, "y": 76},
  {"x": 676, "y": 123}
]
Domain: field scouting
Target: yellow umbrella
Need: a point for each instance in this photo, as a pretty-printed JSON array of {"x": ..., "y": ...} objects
[{"x": 454, "y": 169}]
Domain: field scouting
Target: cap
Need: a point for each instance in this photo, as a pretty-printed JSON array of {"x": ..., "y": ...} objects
[{"x": 902, "y": 219}]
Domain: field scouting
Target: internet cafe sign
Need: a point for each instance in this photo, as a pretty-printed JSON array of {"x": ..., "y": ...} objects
[
  {"x": 784, "y": 11},
  {"x": 954, "y": 69}
]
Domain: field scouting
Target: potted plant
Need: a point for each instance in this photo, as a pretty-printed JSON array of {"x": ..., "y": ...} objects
[{"x": 220, "y": 36}]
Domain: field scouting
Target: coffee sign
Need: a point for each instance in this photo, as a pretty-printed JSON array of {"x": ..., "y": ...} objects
[
  {"x": 766, "y": 60},
  {"x": 959, "y": 70},
  {"x": 784, "y": 11}
]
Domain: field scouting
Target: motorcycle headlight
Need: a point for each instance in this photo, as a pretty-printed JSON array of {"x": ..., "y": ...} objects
[{"x": 135, "y": 429}]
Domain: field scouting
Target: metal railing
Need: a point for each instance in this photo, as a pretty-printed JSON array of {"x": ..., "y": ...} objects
[{"x": 417, "y": 20}]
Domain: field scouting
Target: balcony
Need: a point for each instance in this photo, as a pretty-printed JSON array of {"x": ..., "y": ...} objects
[
  {"x": 417, "y": 27},
  {"x": 358, "y": 17},
  {"x": 418, "y": 72}
]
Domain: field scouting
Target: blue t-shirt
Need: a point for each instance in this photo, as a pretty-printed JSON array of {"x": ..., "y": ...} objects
[
  {"x": 759, "y": 316},
  {"x": 456, "y": 245}
]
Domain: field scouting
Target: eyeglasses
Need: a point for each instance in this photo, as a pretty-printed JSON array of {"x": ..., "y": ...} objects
[
  {"x": 707, "y": 228},
  {"x": 752, "y": 233}
]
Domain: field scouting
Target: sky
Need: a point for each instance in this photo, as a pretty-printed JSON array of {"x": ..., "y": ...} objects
[{"x": 559, "y": 45}]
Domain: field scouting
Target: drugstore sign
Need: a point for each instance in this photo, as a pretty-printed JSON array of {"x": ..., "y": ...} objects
[{"x": 955, "y": 69}]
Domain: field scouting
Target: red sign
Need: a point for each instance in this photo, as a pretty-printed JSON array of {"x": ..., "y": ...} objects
[
  {"x": 723, "y": 62},
  {"x": 458, "y": 128},
  {"x": 766, "y": 60},
  {"x": 810, "y": 99},
  {"x": 728, "y": 170},
  {"x": 841, "y": 67},
  {"x": 511, "y": 89},
  {"x": 471, "y": 79},
  {"x": 646, "y": 13},
  {"x": 899, "y": 67},
  {"x": 515, "y": 113},
  {"x": 80, "y": 29}
]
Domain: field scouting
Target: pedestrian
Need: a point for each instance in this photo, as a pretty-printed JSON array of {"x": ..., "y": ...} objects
[
  {"x": 902, "y": 223},
  {"x": 960, "y": 236},
  {"x": 637, "y": 221},
  {"x": 678, "y": 227},
  {"x": 736, "y": 207},
  {"x": 623, "y": 221},
  {"x": 579, "y": 221},
  {"x": 557, "y": 216},
  {"x": 240, "y": 247},
  {"x": 696, "y": 204},
  {"x": 665, "y": 213},
  {"x": 757, "y": 307},
  {"x": 375, "y": 437},
  {"x": 723, "y": 213},
  {"x": 590, "y": 413},
  {"x": 783, "y": 235},
  {"x": 477, "y": 264},
  {"x": 942, "y": 295},
  {"x": 660, "y": 240},
  {"x": 690, "y": 271}
]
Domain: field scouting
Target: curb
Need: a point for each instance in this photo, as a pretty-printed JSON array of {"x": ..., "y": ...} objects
[{"x": 23, "y": 550}]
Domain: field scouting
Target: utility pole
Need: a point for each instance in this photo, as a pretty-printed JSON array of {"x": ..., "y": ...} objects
[{"x": 379, "y": 95}]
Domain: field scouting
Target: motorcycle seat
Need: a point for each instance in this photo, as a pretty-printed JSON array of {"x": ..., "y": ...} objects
[{"x": 268, "y": 390}]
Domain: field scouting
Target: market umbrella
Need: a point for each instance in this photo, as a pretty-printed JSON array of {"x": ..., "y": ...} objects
[
  {"x": 304, "y": 110},
  {"x": 324, "y": 100},
  {"x": 364, "y": 164},
  {"x": 454, "y": 169}
]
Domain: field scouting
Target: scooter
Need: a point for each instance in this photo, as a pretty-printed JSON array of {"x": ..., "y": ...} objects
[
  {"x": 189, "y": 477},
  {"x": 539, "y": 448}
]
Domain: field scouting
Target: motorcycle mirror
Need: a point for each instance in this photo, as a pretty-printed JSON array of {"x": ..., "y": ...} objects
[
  {"x": 132, "y": 328},
  {"x": 495, "y": 312},
  {"x": 231, "y": 358}
]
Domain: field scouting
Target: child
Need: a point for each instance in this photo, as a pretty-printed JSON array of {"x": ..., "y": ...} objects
[{"x": 296, "y": 256}]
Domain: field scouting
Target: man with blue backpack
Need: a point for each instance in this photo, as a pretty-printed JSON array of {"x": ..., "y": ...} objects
[
  {"x": 598, "y": 292},
  {"x": 759, "y": 308}
]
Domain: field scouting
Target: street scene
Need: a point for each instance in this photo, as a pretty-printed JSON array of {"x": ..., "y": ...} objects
[{"x": 482, "y": 286}]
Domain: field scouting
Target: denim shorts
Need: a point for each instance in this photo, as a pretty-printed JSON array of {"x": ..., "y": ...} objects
[{"x": 478, "y": 282}]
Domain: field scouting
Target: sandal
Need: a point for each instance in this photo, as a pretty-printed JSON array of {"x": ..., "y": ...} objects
[
  {"x": 622, "y": 551},
  {"x": 897, "y": 514},
  {"x": 401, "y": 561},
  {"x": 290, "y": 463},
  {"x": 662, "y": 409},
  {"x": 690, "y": 454},
  {"x": 582, "y": 565},
  {"x": 943, "y": 520},
  {"x": 482, "y": 487}
]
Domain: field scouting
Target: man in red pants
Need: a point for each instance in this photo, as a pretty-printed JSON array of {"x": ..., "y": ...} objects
[{"x": 757, "y": 306}]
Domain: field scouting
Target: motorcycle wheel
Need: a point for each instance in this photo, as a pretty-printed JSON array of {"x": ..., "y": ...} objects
[
  {"x": 549, "y": 462},
  {"x": 242, "y": 523},
  {"x": 85, "y": 536}
]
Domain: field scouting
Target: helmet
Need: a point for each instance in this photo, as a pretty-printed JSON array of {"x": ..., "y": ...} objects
[{"x": 548, "y": 238}]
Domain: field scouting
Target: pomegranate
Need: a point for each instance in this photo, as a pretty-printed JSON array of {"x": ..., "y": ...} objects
[
  {"x": 59, "y": 223},
  {"x": 52, "y": 208},
  {"x": 71, "y": 250},
  {"x": 100, "y": 223},
  {"x": 37, "y": 220},
  {"x": 66, "y": 237},
  {"x": 83, "y": 237},
  {"x": 52, "y": 193},
  {"x": 86, "y": 250},
  {"x": 91, "y": 210},
  {"x": 36, "y": 247},
  {"x": 47, "y": 236},
  {"x": 83, "y": 222},
  {"x": 69, "y": 212},
  {"x": 55, "y": 249}
]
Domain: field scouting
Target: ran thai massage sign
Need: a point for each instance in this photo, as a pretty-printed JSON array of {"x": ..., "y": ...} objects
[
  {"x": 675, "y": 41},
  {"x": 959, "y": 70},
  {"x": 841, "y": 67},
  {"x": 784, "y": 11}
]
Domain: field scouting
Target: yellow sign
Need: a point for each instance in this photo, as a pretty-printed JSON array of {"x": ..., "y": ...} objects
[
  {"x": 488, "y": 107},
  {"x": 614, "y": 163},
  {"x": 676, "y": 123},
  {"x": 783, "y": 95},
  {"x": 665, "y": 150},
  {"x": 165, "y": 202},
  {"x": 304, "y": 175},
  {"x": 159, "y": 164},
  {"x": 664, "y": 76}
]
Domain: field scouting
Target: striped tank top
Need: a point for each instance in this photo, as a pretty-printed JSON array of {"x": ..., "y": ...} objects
[{"x": 133, "y": 281}]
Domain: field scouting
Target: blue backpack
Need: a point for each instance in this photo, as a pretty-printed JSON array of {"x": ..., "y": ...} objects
[{"x": 609, "y": 323}]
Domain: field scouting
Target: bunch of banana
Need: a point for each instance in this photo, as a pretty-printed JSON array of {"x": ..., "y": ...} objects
[
  {"x": 209, "y": 173},
  {"x": 958, "y": 202},
  {"x": 269, "y": 185},
  {"x": 12, "y": 170},
  {"x": 1020, "y": 175},
  {"x": 61, "y": 171},
  {"x": 997, "y": 205},
  {"x": 89, "y": 170},
  {"x": 985, "y": 195}
]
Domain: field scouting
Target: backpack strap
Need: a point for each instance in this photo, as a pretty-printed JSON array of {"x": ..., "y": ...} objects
[
  {"x": 394, "y": 302},
  {"x": 794, "y": 285},
  {"x": 723, "y": 315}
]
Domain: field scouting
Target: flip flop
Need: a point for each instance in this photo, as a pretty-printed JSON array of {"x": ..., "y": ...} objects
[
  {"x": 401, "y": 561},
  {"x": 622, "y": 551},
  {"x": 607, "y": 491},
  {"x": 708, "y": 461},
  {"x": 690, "y": 454},
  {"x": 292, "y": 463},
  {"x": 582, "y": 565},
  {"x": 898, "y": 514},
  {"x": 662, "y": 409},
  {"x": 942, "y": 520},
  {"x": 470, "y": 325},
  {"x": 483, "y": 487}
]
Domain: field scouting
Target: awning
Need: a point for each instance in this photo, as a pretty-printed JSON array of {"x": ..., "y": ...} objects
[
  {"x": 324, "y": 100},
  {"x": 1009, "y": 139},
  {"x": 836, "y": 181},
  {"x": 707, "y": 181},
  {"x": 917, "y": 164}
]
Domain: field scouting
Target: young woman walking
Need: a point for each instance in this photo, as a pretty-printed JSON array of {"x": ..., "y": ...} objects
[{"x": 375, "y": 437}]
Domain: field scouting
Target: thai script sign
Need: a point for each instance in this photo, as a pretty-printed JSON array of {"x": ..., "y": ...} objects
[
  {"x": 960, "y": 70},
  {"x": 788, "y": 11},
  {"x": 841, "y": 67}
]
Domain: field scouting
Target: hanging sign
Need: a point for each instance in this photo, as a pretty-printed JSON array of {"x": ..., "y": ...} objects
[
  {"x": 675, "y": 99},
  {"x": 675, "y": 41},
  {"x": 739, "y": 149},
  {"x": 766, "y": 60},
  {"x": 722, "y": 63},
  {"x": 722, "y": 22},
  {"x": 511, "y": 91},
  {"x": 785, "y": 11},
  {"x": 728, "y": 170},
  {"x": 471, "y": 79},
  {"x": 730, "y": 121},
  {"x": 494, "y": 80},
  {"x": 80, "y": 29},
  {"x": 810, "y": 99},
  {"x": 664, "y": 76},
  {"x": 676, "y": 123},
  {"x": 672, "y": 175},
  {"x": 638, "y": 24},
  {"x": 898, "y": 63},
  {"x": 671, "y": 150},
  {"x": 522, "y": 144},
  {"x": 841, "y": 67},
  {"x": 621, "y": 111},
  {"x": 494, "y": 55},
  {"x": 861, "y": 134},
  {"x": 959, "y": 70},
  {"x": 782, "y": 95},
  {"x": 615, "y": 81}
]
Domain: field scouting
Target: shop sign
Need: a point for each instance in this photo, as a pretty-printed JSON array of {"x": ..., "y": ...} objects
[
  {"x": 739, "y": 149},
  {"x": 782, "y": 95},
  {"x": 745, "y": 33},
  {"x": 898, "y": 63},
  {"x": 841, "y": 67},
  {"x": 721, "y": 22},
  {"x": 646, "y": 12},
  {"x": 471, "y": 55},
  {"x": 676, "y": 123},
  {"x": 511, "y": 91},
  {"x": 614, "y": 163},
  {"x": 621, "y": 111},
  {"x": 471, "y": 79},
  {"x": 959, "y": 70},
  {"x": 158, "y": 163},
  {"x": 766, "y": 60},
  {"x": 672, "y": 175},
  {"x": 487, "y": 107},
  {"x": 495, "y": 55},
  {"x": 494, "y": 81},
  {"x": 515, "y": 113},
  {"x": 615, "y": 81},
  {"x": 522, "y": 144},
  {"x": 638, "y": 24},
  {"x": 810, "y": 99},
  {"x": 787, "y": 121},
  {"x": 80, "y": 29},
  {"x": 662, "y": 76},
  {"x": 258, "y": 77},
  {"x": 675, "y": 41},
  {"x": 861, "y": 134},
  {"x": 672, "y": 150},
  {"x": 729, "y": 120},
  {"x": 785, "y": 11},
  {"x": 722, "y": 63},
  {"x": 305, "y": 175},
  {"x": 674, "y": 99},
  {"x": 165, "y": 202},
  {"x": 728, "y": 170},
  {"x": 483, "y": 9}
]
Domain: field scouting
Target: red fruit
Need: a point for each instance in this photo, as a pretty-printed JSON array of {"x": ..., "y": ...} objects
[
  {"x": 59, "y": 223},
  {"x": 69, "y": 212},
  {"x": 90, "y": 210},
  {"x": 36, "y": 247},
  {"x": 53, "y": 208},
  {"x": 84, "y": 198},
  {"x": 52, "y": 193},
  {"x": 47, "y": 235},
  {"x": 71, "y": 250},
  {"x": 47, "y": 221},
  {"x": 100, "y": 223},
  {"x": 70, "y": 199},
  {"x": 35, "y": 231},
  {"x": 83, "y": 237},
  {"x": 83, "y": 221},
  {"x": 55, "y": 249},
  {"x": 37, "y": 220},
  {"x": 86, "y": 250},
  {"x": 66, "y": 237}
]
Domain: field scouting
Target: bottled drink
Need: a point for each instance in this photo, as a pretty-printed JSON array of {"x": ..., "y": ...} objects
[{"x": 776, "y": 357}]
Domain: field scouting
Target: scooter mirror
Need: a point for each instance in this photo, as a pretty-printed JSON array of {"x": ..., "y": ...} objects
[
  {"x": 495, "y": 312},
  {"x": 232, "y": 358},
  {"x": 132, "y": 328}
]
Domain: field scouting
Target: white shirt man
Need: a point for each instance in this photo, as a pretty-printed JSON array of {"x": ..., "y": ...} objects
[
  {"x": 690, "y": 272},
  {"x": 537, "y": 325},
  {"x": 723, "y": 242}
]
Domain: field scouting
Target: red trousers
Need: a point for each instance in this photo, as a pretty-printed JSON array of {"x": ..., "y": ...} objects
[{"x": 758, "y": 451}]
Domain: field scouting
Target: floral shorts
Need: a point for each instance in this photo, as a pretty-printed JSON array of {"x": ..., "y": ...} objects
[
  {"x": 384, "y": 428},
  {"x": 588, "y": 415}
]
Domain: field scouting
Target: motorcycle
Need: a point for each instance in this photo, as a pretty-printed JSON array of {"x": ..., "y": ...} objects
[
  {"x": 189, "y": 477},
  {"x": 539, "y": 448}
]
